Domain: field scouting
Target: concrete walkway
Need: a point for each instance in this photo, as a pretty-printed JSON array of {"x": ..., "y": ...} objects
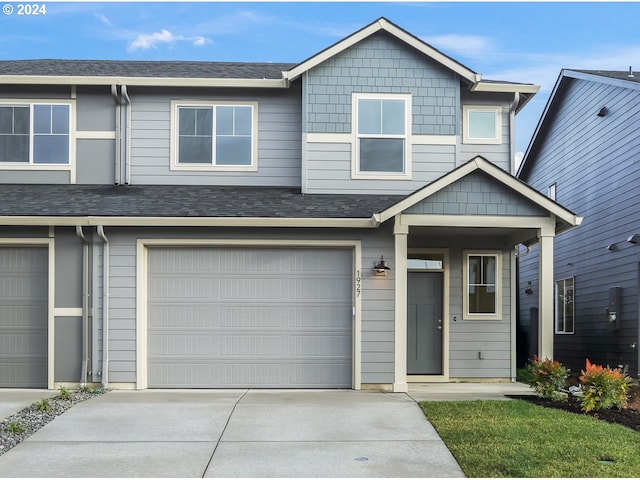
[
  {"x": 236, "y": 433},
  {"x": 467, "y": 391},
  {"x": 14, "y": 400}
]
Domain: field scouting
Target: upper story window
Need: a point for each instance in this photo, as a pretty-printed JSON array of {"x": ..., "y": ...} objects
[
  {"x": 482, "y": 298},
  {"x": 35, "y": 133},
  {"x": 482, "y": 124},
  {"x": 381, "y": 126},
  {"x": 551, "y": 191},
  {"x": 216, "y": 136}
]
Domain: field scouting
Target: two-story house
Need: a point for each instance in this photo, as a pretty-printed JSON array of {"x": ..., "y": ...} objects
[
  {"x": 349, "y": 221},
  {"x": 585, "y": 153}
]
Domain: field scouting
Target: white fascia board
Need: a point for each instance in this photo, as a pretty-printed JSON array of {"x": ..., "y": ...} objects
[
  {"x": 142, "y": 81},
  {"x": 383, "y": 24},
  {"x": 505, "y": 87},
  {"x": 191, "y": 222}
]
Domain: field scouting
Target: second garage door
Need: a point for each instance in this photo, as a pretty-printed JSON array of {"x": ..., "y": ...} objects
[{"x": 249, "y": 317}]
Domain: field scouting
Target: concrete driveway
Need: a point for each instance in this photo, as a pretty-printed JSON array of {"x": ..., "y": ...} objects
[{"x": 236, "y": 433}]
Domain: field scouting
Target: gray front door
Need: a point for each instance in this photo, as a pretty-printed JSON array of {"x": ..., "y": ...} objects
[{"x": 424, "y": 323}]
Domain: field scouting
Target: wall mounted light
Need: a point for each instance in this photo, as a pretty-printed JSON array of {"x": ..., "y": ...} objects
[
  {"x": 381, "y": 268},
  {"x": 528, "y": 290},
  {"x": 603, "y": 112},
  {"x": 612, "y": 247},
  {"x": 635, "y": 238}
]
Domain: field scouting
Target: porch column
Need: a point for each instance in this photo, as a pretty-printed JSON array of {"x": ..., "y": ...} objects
[
  {"x": 546, "y": 295},
  {"x": 400, "y": 233}
]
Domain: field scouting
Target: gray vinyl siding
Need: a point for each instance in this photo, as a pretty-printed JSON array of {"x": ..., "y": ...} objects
[
  {"x": 377, "y": 293},
  {"x": 95, "y": 161},
  {"x": 594, "y": 163},
  {"x": 469, "y": 337},
  {"x": 279, "y": 138},
  {"x": 499, "y": 154},
  {"x": 95, "y": 109}
]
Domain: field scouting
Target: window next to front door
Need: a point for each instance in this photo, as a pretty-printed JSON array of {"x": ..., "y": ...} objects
[{"x": 482, "y": 298}]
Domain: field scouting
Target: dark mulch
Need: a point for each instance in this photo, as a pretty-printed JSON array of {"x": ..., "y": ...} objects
[{"x": 629, "y": 417}]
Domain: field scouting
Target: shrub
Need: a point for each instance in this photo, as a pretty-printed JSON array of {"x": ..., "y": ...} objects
[
  {"x": 548, "y": 377},
  {"x": 603, "y": 387},
  {"x": 64, "y": 394},
  {"x": 15, "y": 427},
  {"x": 43, "y": 405}
]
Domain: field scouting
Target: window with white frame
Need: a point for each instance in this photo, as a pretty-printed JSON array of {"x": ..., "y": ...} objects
[
  {"x": 215, "y": 135},
  {"x": 564, "y": 305},
  {"x": 482, "y": 124},
  {"x": 381, "y": 123},
  {"x": 551, "y": 191},
  {"x": 35, "y": 133},
  {"x": 482, "y": 298}
]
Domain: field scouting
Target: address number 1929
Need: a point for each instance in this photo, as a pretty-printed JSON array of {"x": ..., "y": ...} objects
[{"x": 31, "y": 9}]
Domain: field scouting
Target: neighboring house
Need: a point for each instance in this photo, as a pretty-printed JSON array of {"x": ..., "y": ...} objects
[
  {"x": 585, "y": 154},
  {"x": 344, "y": 222}
]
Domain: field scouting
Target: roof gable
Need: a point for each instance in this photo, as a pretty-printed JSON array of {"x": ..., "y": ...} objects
[
  {"x": 557, "y": 97},
  {"x": 506, "y": 182},
  {"x": 382, "y": 24}
]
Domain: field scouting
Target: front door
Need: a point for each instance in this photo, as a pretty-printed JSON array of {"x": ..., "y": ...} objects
[{"x": 424, "y": 323}]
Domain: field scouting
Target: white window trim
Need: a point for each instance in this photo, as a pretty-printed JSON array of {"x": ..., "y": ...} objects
[
  {"x": 552, "y": 191},
  {"x": 355, "y": 153},
  {"x": 556, "y": 306},
  {"x": 465, "y": 287},
  {"x": 173, "y": 162},
  {"x": 70, "y": 166},
  {"x": 465, "y": 124}
]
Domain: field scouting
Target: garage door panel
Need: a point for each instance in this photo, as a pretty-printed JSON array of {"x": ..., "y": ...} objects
[
  {"x": 256, "y": 318},
  {"x": 23, "y": 317}
]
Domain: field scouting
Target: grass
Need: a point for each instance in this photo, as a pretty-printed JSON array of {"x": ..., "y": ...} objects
[{"x": 519, "y": 439}]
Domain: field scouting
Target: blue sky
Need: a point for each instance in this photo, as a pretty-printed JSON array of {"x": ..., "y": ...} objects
[{"x": 514, "y": 41}]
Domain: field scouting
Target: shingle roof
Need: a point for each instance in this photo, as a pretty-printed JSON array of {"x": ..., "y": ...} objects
[
  {"x": 147, "y": 69},
  {"x": 617, "y": 74},
  {"x": 183, "y": 201}
]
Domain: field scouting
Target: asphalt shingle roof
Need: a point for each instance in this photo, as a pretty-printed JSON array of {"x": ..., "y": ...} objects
[
  {"x": 620, "y": 75},
  {"x": 147, "y": 69},
  {"x": 184, "y": 201}
]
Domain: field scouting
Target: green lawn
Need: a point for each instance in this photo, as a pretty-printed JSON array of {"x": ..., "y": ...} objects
[{"x": 519, "y": 439}]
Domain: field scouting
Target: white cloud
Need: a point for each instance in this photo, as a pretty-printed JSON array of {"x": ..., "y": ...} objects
[
  {"x": 465, "y": 45},
  {"x": 146, "y": 42},
  {"x": 103, "y": 18}
]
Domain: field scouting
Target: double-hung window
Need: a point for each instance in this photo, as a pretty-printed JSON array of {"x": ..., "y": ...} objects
[
  {"x": 381, "y": 125},
  {"x": 214, "y": 136},
  {"x": 564, "y": 306},
  {"x": 35, "y": 133},
  {"x": 482, "y": 298},
  {"x": 482, "y": 124}
]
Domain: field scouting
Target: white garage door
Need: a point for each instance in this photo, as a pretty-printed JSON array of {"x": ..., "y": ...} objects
[
  {"x": 23, "y": 317},
  {"x": 249, "y": 317}
]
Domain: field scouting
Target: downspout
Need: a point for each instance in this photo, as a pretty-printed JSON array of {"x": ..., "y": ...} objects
[
  {"x": 105, "y": 307},
  {"x": 118, "y": 159},
  {"x": 127, "y": 146},
  {"x": 512, "y": 131},
  {"x": 85, "y": 305}
]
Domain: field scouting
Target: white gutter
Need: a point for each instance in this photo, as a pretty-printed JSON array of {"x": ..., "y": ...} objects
[
  {"x": 85, "y": 306},
  {"x": 105, "y": 307},
  {"x": 127, "y": 146},
  {"x": 118, "y": 159}
]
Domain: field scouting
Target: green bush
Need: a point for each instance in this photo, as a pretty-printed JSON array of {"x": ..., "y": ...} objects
[
  {"x": 15, "y": 427},
  {"x": 43, "y": 405},
  {"x": 548, "y": 377},
  {"x": 603, "y": 388},
  {"x": 64, "y": 394}
]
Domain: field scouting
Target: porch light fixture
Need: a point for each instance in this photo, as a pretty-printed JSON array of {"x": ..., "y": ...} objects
[
  {"x": 381, "y": 268},
  {"x": 635, "y": 238},
  {"x": 528, "y": 290}
]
